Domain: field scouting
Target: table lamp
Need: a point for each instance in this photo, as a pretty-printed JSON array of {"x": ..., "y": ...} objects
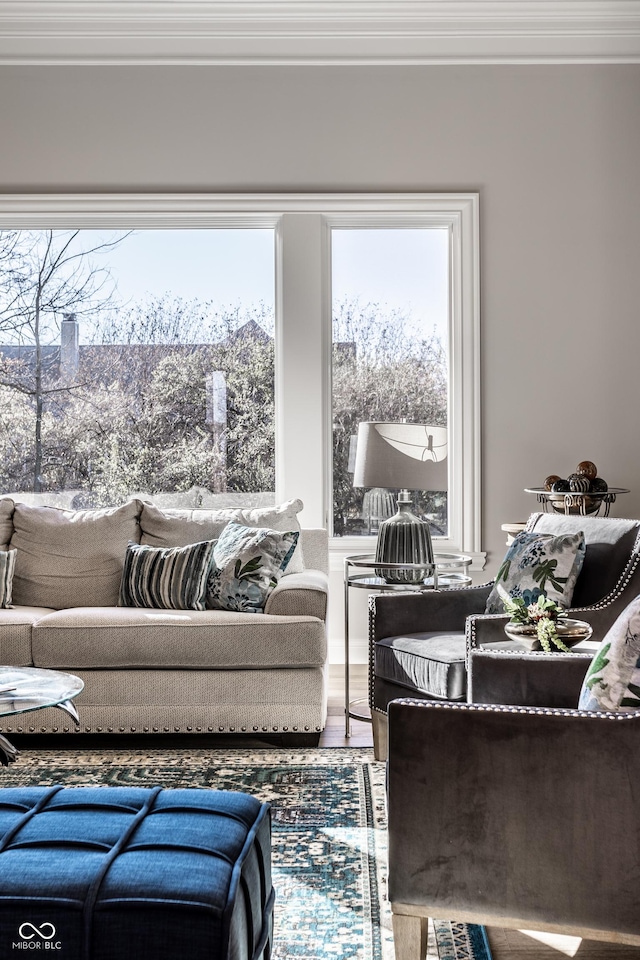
[{"x": 402, "y": 456}]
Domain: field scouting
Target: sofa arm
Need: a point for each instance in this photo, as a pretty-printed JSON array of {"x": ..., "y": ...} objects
[
  {"x": 504, "y": 813},
  {"x": 300, "y": 595},
  {"x": 397, "y": 613}
]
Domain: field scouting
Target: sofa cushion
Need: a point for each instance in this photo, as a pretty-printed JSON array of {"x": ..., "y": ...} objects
[
  {"x": 248, "y": 563},
  {"x": 433, "y": 663},
  {"x": 121, "y": 637},
  {"x": 613, "y": 679},
  {"x": 6, "y": 522},
  {"x": 15, "y": 634},
  {"x": 7, "y": 566},
  {"x": 176, "y": 528},
  {"x": 168, "y": 578},
  {"x": 538, "y": 563},
  {"x": 315, "y": 549},
  {"x": 70, "y": 558}
]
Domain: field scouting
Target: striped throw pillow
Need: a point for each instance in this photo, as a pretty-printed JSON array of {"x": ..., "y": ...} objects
[
  {"x": 167, "y": 578},
  {"x": 7, "y": 566}
]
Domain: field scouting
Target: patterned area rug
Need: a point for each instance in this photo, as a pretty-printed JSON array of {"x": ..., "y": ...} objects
[{"x": 329, "y": 837}]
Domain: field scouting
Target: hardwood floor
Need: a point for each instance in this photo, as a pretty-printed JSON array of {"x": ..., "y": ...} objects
[
  {"x": 334, "y": 733},
  {"x": 529, "y": 945}
]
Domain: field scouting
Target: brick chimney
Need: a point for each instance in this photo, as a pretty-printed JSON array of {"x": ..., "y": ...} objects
[{"x": 69, "y": 347}]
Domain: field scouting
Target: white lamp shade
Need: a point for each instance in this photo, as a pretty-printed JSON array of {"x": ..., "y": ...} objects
[{"x": 401, "y": 456}]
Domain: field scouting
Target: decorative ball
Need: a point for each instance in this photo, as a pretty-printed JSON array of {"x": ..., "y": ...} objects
[
  {"x": 578, "y": 484},
  {"x": 598, "y": 485},
  {"x": 561, "y": 486},
  {"x": 587, "y": 469},
  {"x": 551, "y": 479}
]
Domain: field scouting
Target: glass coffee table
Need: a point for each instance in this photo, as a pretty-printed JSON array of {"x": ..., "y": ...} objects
[{"x": 31, "y": 688}]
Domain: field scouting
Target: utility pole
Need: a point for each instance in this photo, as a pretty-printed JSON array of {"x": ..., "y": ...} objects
[{"x": 217, "y": 421}]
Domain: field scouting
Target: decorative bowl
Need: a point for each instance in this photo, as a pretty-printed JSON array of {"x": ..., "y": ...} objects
[
  {"x": 569, "y": 631},
  {"x": 574, "y": 504}
]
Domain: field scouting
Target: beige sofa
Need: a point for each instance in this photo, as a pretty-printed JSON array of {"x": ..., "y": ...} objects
[{"x": 152, "y": 671}]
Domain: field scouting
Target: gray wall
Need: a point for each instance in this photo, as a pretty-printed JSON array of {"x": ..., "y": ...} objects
[{"x": 553, "y": 151}]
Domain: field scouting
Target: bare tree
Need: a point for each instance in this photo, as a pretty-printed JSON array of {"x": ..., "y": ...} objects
[{"x": 45, "y": 276}]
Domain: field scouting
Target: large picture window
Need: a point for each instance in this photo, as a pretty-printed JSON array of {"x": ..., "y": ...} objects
[
  {"x": 145, "y": 370},
  {"x": 137, "y": 363}
]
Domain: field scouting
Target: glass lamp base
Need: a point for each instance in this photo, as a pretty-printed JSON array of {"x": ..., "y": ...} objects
[{"x": 404, "y": 538}]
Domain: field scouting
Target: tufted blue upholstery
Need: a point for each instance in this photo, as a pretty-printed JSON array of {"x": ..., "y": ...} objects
[{"x": 122, "y": 873}]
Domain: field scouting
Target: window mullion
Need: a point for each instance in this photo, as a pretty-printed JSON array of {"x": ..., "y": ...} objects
[{"x": 301, "y": 365}]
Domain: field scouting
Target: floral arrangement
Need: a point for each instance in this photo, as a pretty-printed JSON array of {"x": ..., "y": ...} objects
[{"x": 542, "y": 616}]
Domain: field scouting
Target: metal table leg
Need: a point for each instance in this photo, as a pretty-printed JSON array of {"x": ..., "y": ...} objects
[
  {"x": 347, "y": 719},
  {"x": 8, "y": 752},
  {"x": 69, "y": 707}
]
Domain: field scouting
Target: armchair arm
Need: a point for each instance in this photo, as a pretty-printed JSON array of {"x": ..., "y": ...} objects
[
  {"x": 601, "y": 615},
  {"x": 484, "y": 629},
  {"x": 396, "y": 613},
  {"x": 516, "y": 816},
  {"x": 528, "y": 679},
  {"x": 487, "y": 629},
  {"x": 499, "y": 670}
]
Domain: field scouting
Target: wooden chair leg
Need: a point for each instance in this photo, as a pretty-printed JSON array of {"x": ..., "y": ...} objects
[
  {"x": 410, "y": 936},
  {"x": 380, "y": 735}
]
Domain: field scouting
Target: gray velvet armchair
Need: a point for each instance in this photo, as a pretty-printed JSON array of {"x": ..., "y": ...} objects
[
  {"x": 517, "y": 817},
  {"x": 424, "y": 645}
]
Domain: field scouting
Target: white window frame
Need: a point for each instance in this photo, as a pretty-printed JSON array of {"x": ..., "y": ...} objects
[{"x": 303, "y": 224}]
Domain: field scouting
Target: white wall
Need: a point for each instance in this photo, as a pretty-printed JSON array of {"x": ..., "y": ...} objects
[{"x": 553, "y": 151}]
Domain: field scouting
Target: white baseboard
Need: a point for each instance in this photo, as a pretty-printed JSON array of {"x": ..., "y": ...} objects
[{"x": 358, "y": 650}]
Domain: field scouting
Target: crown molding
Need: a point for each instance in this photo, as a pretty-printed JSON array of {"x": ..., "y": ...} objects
[{"x": 321, "y": 32}]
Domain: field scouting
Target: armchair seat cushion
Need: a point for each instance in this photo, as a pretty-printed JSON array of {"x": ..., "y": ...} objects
[{"x": 432, "y": 663}]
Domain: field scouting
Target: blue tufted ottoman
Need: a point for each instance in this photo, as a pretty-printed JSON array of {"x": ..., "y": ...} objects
[{"x": 119, "y": 873}]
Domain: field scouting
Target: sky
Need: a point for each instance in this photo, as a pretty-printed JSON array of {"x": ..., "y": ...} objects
[{"x": 405, "y": 269}]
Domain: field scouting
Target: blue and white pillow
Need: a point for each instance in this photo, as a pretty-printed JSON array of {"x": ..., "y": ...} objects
[
  {"x": 613, "y": 679},
  {"x": 167, "y": 578},
  {"x": 539, "y": 563},
  {"x": 7, "y": 566},
  {"x": 247, "y": 564}
]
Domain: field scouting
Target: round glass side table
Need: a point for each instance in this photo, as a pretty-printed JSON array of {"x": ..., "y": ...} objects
[
  {"x": 30, "y": 688},
  {"x": 361, "y": 571}
]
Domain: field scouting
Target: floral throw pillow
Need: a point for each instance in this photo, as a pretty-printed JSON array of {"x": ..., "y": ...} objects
[
  {"x": 613, "y": 679},
  {"x": 247, "y": 564},
  {"x": 7, "y": 566},
  {"x": 538, "y": 563}
]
